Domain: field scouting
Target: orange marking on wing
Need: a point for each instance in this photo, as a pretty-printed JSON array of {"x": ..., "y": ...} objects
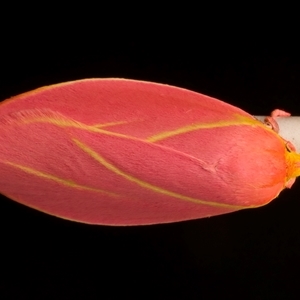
[{"x": 65, "y": 182}]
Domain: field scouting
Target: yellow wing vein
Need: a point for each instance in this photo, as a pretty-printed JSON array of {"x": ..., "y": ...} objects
[
  {"x": 61, "y": 121},
  {"x": 240, "y": 120},
  {"x": 145, "y": 184},
  {"x": 62, "y": 181}
]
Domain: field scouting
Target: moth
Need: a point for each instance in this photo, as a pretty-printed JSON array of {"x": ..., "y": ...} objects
[{"x": 126, "y": 152}]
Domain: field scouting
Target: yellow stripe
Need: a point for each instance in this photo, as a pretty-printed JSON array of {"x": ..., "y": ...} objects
[
  {"x": 147, "y": 185},
  {"x": 240, "y": 120},
  {"x": 62, "y": 121},
  {"x": 65, "y": 182},
  {"x": 110, "y": 124}
]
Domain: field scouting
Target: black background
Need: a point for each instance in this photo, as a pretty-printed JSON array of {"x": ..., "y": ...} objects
[{"x": 252, "y": 63}]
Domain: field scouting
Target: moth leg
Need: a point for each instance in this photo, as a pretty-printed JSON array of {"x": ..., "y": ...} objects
[
  {"x": 279, "y": 113},
  {"x": 270, "y": 121},
  {"x": 290, "y": 146},
  {"x": 290, "y": 182}
]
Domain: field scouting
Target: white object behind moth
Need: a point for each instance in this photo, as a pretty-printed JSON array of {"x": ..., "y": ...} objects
[{"x": 289, "y": 128}]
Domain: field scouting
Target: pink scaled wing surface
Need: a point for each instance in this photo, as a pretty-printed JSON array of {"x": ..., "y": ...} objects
[{"x": 124, "y": 152}]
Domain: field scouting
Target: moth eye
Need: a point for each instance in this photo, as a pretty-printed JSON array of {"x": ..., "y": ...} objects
[{"x": 268, "y": 124}]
